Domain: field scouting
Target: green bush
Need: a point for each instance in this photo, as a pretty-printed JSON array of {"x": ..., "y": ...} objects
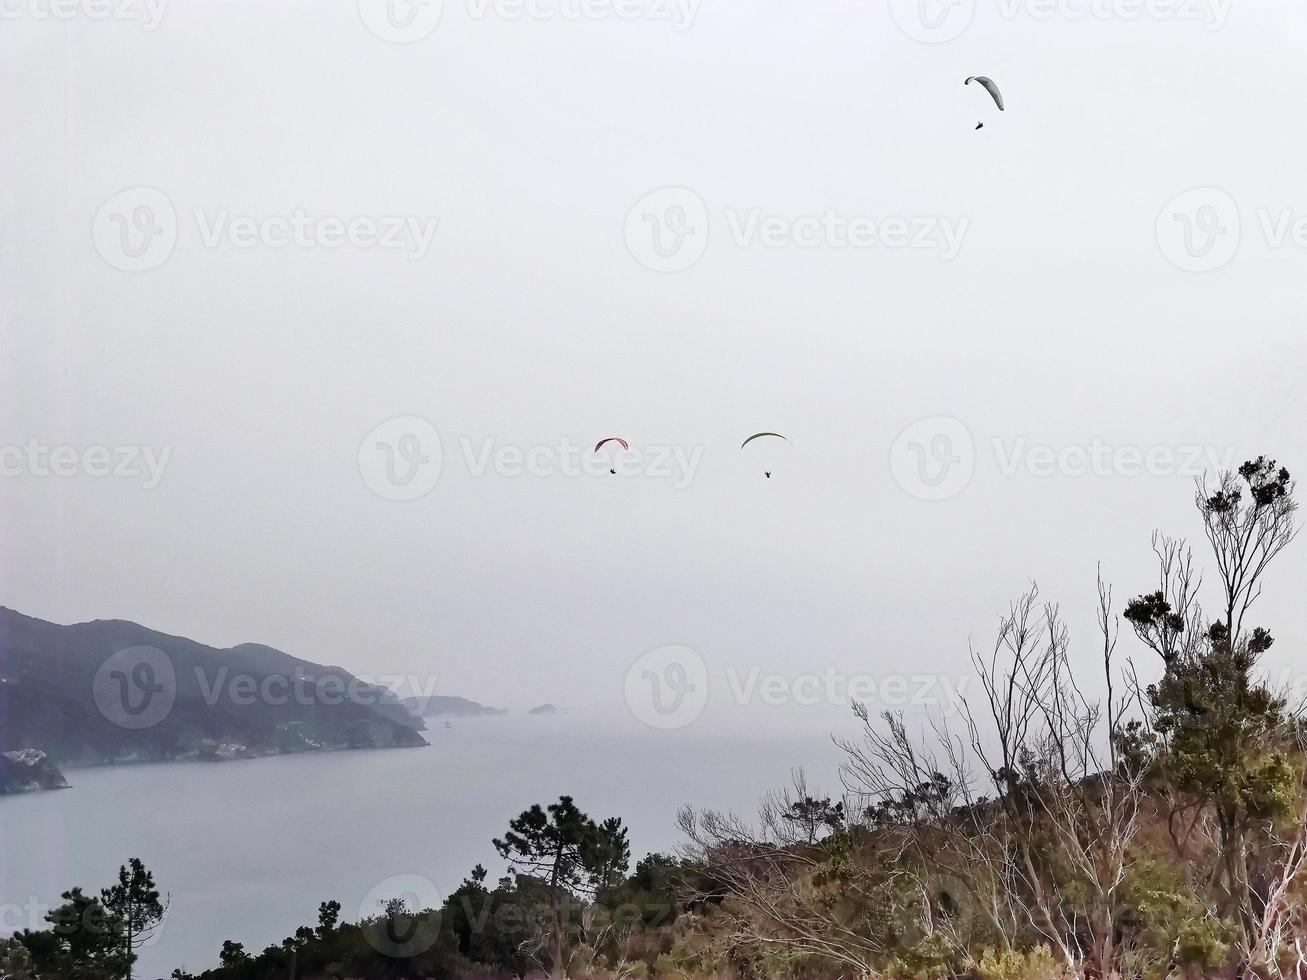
[{"x": 1013, "y": 964}]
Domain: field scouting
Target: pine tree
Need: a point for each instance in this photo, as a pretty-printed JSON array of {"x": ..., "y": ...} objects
[
  {"x": 135, "y": 903},
  {"x": 567, "y": 852}
]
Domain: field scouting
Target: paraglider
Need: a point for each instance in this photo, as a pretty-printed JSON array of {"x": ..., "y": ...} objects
[
  {"x": 764, "y": 435},
  {"x": 603, "y": 442},
  {"x": 991, "y": 87}
]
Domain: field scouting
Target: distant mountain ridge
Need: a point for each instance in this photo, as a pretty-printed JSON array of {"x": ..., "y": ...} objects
[
  {"x": 115, "y": 691},
  {"x": 435, "y": 706}
]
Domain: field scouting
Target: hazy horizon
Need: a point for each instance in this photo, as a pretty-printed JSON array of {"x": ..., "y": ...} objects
[{"x": 1041, "y": 302}]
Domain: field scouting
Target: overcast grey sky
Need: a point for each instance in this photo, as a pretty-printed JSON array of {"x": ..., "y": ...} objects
[{"x": 1049, "y": 290}]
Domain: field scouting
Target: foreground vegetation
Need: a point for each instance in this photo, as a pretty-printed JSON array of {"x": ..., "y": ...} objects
[{"x": 1152, "y": 829}]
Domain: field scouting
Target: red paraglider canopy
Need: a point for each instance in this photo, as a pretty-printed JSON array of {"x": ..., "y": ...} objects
[{"x": 603, "y": 442}]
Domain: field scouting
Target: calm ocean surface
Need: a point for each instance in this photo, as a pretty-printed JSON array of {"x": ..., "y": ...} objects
[{"x": 249, "y": 849}]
